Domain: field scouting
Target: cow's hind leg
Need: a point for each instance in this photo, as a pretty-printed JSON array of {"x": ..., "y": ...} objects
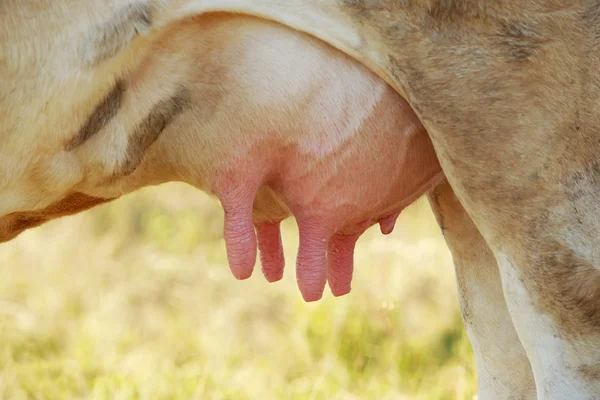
[
  {"x": 553, "y": 294},
  {"x": 503, "y": 370}
]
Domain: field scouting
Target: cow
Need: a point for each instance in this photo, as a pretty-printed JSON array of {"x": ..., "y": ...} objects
[{"x": 505, "y": 90}]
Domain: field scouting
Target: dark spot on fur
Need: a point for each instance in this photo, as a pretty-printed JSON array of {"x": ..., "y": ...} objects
[
  {"x": 590, "y": 372},
  {"x": 149, "y": 130},
  {"x": 534, "y": 176},
  {"x": 454, "y": 11},
  {"x": 101, "y": 116},
  {"x": 520, "y": 41}
]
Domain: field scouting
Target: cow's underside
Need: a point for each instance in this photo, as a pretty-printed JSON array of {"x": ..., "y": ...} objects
[{"x": 507, "y": 92}]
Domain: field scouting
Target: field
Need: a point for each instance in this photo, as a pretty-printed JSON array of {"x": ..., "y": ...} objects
[{"x": 134, "y": 300}]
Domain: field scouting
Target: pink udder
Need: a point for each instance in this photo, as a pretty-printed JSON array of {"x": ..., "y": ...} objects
[{"x": 368, "y": 179}]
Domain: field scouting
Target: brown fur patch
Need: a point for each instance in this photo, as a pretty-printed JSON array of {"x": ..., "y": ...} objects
[{"x": 13, "y": 224}]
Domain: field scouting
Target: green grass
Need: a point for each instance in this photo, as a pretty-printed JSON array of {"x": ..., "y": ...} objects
[{"x": 134, "y": 300}]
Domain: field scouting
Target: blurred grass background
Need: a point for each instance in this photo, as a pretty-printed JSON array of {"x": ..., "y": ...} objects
[{"x": 134, "y": 300}]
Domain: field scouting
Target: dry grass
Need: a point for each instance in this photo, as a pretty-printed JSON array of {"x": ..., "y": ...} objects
[{"x": 134, "y": 300}]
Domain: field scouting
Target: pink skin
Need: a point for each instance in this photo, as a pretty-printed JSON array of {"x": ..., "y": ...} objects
[
  {"x": 271, "y": 250},
  {"x": 340, "y": 263},
  {"x": 367, "y": 180},
  {"x": 388, "y": 223}
]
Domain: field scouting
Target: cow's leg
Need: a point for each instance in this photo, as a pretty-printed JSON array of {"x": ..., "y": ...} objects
[
  {"x": 503, "y": 370},
  {"x": 553, "y": 295}
]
